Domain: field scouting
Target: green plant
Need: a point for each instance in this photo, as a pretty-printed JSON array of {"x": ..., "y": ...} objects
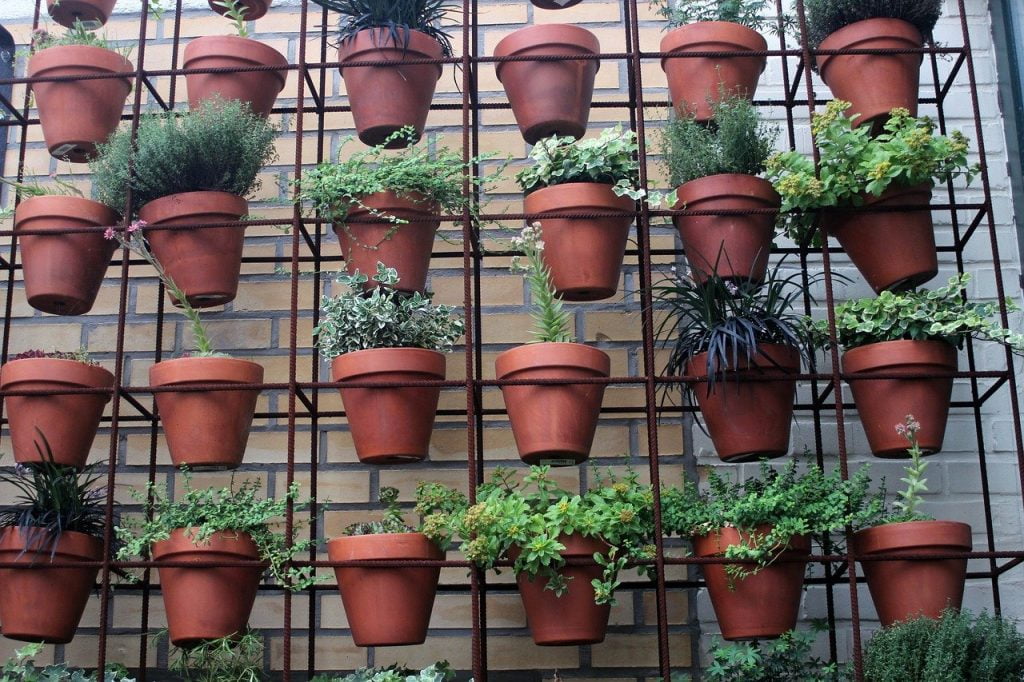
[
  {"x": 228, "y": 659},
  {"x": 33, "y": 188},
  {"x": 786, "y": 659},
  {"x": 551, "y": 324},
  {"x": 917, "y": 484},
  {"x": 439, "y": 672},
  {"x": 235, "y": 10},
  {"x": 825, "y": 17},
  {"x": 22, "y": 668},
  {"x": 80, "y": 355},
  {"x": 397, "y": 17},
  {"x": 749, "y": 13},
  {"x": 78, "y": 34}
]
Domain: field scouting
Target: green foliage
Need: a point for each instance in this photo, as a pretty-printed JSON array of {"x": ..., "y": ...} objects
[
  {"x": 551, "y": 324},
  {"x": 228, "y": 659},
  {"x": 392, "y": 521},
  {"x": 749, "y": 13},
  {"x": 397, "y": 17},
  {"x": 78, "y": 34},
  {"x": 81, "y": 355},
  {"x": 439, "y": 672},
  {"x": 786, "y": 659},
  {"x": 825, "y": 17},
  {"x": 235, "y": 10},
  {"x": 22, "y": 668},
  {"x": 917, "y": 484}
]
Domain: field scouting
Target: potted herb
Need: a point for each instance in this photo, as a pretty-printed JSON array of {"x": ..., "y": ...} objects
[
  {"x": 236, "y": 658},
  {"x": 857, "y": 172},
  {"x": 228, "y": 524},
  {"x": 786, "y": 659},
  {"x": 190, "y": 170},
  {"x": 716, "y": 167},
  {"x": 91, "y": 14},
  {"x": 438, "y": 672},
  {"x": 245, "y": 10},
  {"x": 913, "y": 333},
  {"x": 552, "y": 423},
  {"x": 387, "y": 335},
  {"x": 584, "y": 255}
]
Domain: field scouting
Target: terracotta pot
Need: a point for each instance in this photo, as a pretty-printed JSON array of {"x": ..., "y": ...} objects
[
  {"x": 405, "y": 247},
  {"x": 373, "y": 412},
  {"x": 206, "y": 429},
  {"x": 894, "y": 250},
  {"x": 584, "y": 254},
  {"x": 207, "y": 602},
  {"x": 385, "y": 99},
  {"x": 552, "y": 97},
  {"x": 902, "y": 590},
  {"x": 386, "y": 606},
  {"x": 695, "y": 82},
  {"x": 63, "y": 272},
  {"x": 77, "y": 115},
  {"x": 748, "y": 420},
  {"x": 91, "y": 13},
  {"x": 69, "y": 422},
  {"x": 555, "y": 4},
  {"x": 738, "y": 244},
  {"x": 573, "y": 618},
  {"x": 254, "y": 9},
  {"x": 205, "y": 263},
  {"x": 760, "y": 606},
  {"x": 258, "y": 89},
  {"x": 553, "y": 424},
  {"x": 884, "y": 403},
  {"x": 874, "y": 83}
]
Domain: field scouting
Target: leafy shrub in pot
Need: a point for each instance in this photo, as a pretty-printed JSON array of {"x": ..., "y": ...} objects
[{"x": 438, "y": 672}]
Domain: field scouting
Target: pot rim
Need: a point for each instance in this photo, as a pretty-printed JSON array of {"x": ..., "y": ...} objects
[
  {"x": 881, "y": 28},
  {"x": 741, "y": 186},
  {"x": 209, "y": 46},
  {"x": 599, "y": 195},
  {"x": 163, "y": 549},
  {"x": 786, "y": 357},
  {"x": 413, "y": 545},
  {"x": 535, "y": 37},
  {"x": 703, "y": 544},
  {"x": 162, "y": 206},
  {"x": 742, "y": 36},
  {"x": 419, "y": 43},
  {"x": 77, "y": 208},
  {"x": 523, "y": 357},
  {"x": 931, "y": 351},
  {"x": 102, "y": 59},
  {"x": 71, "y": 543},
  {"x": 359, "y": 363},
  {"x": 205, "y": 370},
  {"x": 28, "y": 370},
  {"x": 890, "y": 537},
  {"x": 387, "y": 200}
]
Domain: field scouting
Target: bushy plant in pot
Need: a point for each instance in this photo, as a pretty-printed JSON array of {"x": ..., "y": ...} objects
[
  {"x": 385, "y": 336},
  {"x": 716, "y": 167},
  {"x": 438, "y": 672},
  {"x": 872, "y": 193},
  {"x": 91, "y": 14},
  {"x": 187, "y": 171},
  {"x": 595, "y": 175}
]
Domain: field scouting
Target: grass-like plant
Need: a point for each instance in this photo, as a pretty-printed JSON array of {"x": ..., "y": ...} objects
[
  {"x": 609, "y": 159},
  {"x": 21, "y": 667},
  {"x": 438, "y": 672},
  {"x": 238, "y": 658},
  {"x": 551, "y": 323},
  {"x": 755, "y": 14},
  {"x": 77, "y": 34},
  {"x": 825, "y": 17},
  {"x": 397, "y": 17}
]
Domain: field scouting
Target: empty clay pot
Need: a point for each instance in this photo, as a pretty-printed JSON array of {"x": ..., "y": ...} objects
[
  {"x": 68, "y": 422},
  {"x": 373, "y": 413},
  {"x": 553, "y": 424},
  {"x": 254, "y": 9},
  {"x": 385, "y": 99},
  {"x": 91, "y": 13},
  {"x": 77, "y": 115},
  {"x": 207, "y": 602},
  {"x": 584, "y": 254},
  {"x": 695, "y": 82},
  {"x": 731, "y": 246},
  {"x": 39, "y": 603},
  {"x": 549, "y": 97},
  {"x": 748, "y": 420},
  {"x": 760, "y": 606},
  {"x": 386, "y": 606},
  {"x": 902, "y": 590},
  {"x": 205, "y": 263},
  {"x": 405, "y": 247},
  {"x": 63, "y": 272},
  {"x": 884, "y": 403},
  {"x": 258, "y": 89}
]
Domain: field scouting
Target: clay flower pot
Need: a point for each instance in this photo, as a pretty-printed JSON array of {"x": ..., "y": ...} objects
[
  {"x": 748, "y": 420},
  {"x": 76, "y": 115},
  {"x": 69, "y": 422},
  {"x": 549, "y": 97},
  {"x": 405, "y": 247},
  {"x": 892, "y": 249},
  {"x": 884, "y": 403},
  {"x": 555, "y": 4},
  {"x": 206, "y": 429},
  {"x": 695, "y": 82},
  {"x": 386, "y": 606},
  {"x": 874, "y": 83},
  {"x": 205, "y": 263},
  {"x": 902, "y": 590},
  {"x": 207, "y": 602},
  {"x": 584, "y": 254},
  {"x": 760, "y": 606},
  {"x": 738, "y": 244},
  {"x": 553, "y": 424},
  {"x": 63, "y": 272},
  {"x": 373, "y": 413},
  {"x": 574, "y": 618},
  {"x": 385, "y": 99},
  {"x": 254, "y": 9},
  {"x": 258, "y": 89},
  {"x": 91, "y": 13}
]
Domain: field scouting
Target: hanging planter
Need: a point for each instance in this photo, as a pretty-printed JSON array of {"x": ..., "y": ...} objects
[
  {"x": 91, "y": 14},
  {"x": 257, "y": 89},
  {"x": 555, "y": 4},
  {"x": 253, "y": 9}
]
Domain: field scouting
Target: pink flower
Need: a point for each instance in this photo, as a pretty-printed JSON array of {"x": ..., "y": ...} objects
[
  {"x": 108, "y": 233},
  {"x": 137, "y": 226}
]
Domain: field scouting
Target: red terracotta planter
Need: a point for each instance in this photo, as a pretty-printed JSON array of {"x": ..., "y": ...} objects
[
  {"x": 884, "y": 403},
  {"x": 205, "y": 263},
  {"x": 91, "y": 13},
  {"x": 254, "y": 9},
  {"x": 584, "y": 254},
  {"x": 373, "y": 413},
  {"x": 695, "y": 82},
  {"x": 894, "y": 250},
  {"x": 385, "y": 99},
  {"x": 905, "y": 589},
  {"x": 555, "y": 4},
  {"x": 63, "y": 272},
  {"x": 386, "y": 606},
  {"x": 760, "y": 606},
  {"x": 738, "y": 244},
  {"x": 77, "y": 115},
  {"x": 748, "y": 420},
  {"x": 69, "y": 422},
  {"x": 258, "y": 89},
  {"x": 874, "y": 83},
  {"x": 553, "y": 424},
  {"x": 405, "y": 247},
  {"x": 551, "y": 97},
  {"x": 206, "y": 602}
]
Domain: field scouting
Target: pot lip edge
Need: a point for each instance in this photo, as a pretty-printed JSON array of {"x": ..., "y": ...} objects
[
  {"x": 83, "y": 365},
  {"x": 603, "y": 358},
  {"x": 674, "y": 34}
]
